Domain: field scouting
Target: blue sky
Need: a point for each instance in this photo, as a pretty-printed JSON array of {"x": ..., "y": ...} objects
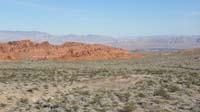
[{"x": 106, "y": 17}]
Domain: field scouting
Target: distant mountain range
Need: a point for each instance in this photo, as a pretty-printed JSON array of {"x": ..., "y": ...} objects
[
  {"x": 6, "y": 36},
  {"x": 160, "y": 42},
  {"x": 129, "y": 43}
]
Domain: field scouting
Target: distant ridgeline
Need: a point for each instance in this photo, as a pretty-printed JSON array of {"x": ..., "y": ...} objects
[{"x": 129, "y": 43}]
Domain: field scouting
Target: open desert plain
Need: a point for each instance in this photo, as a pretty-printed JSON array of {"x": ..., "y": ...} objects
[{"x": 151, "y": 82}]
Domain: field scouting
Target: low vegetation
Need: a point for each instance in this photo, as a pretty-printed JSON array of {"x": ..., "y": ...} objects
[{"x": 168, "y": 83}]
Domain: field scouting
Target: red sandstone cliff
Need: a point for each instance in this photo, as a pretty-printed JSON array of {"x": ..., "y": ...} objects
[{"x": 28, "y": 50}]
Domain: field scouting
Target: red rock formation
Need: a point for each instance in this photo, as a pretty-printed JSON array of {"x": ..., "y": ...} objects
[{"x": 28, "y": 50}]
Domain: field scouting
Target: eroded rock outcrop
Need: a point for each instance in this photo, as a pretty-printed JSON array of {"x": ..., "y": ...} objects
[{"x": 69, "y": 51}]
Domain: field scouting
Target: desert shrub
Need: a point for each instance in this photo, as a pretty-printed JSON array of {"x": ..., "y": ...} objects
[
  {"x": 156, "y": 71},
  {"x": 157, "y": 101},
  {"x": 128, "y": 107},
  {"x": 196, "y": 107},
  {"x": 84, "y": 93},
  {"x": 150, "y": 82},
  {"x": 164, "y": 110},
  {"x": 3, "y": 105},
  {"x": 160, "y": 109},
  {"x": 123, "y": 96},
  {"x": 96, "y": 99},
  {"x": 173, "y": 88},
  {"x": 23, "y": 100},
  {"x": 45, "y": 86},
  {"x": 161, "y": 92},
  {"x": 142, "y": 95},
  {"x": 75, "y": 108},
  {"x": 194, "y": 74}
]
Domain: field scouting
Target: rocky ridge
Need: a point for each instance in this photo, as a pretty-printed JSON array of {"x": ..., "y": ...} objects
[{"x": 69, "y": 51}]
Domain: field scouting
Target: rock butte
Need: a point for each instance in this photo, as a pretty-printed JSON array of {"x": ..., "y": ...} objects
[{"x": 69, "y": 51}]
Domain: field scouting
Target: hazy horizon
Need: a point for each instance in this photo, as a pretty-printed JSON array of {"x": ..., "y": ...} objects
[{"x": 111, "y": 36}]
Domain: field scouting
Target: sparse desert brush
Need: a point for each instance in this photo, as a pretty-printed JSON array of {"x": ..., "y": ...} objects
[
  {"x": 142, "y": 95},
  {"x": 150, "y": 82},
  {"x": 157, "y": 84},
  {"x": 123, "y": 96},
  {"x": 128, "y": 107},
  {"x": 173, "y": 88},
  {"x": 96, "y": 99},
  {"x": 23, "y": 102},
  {"x": 161, "y": 92},
  {"x": 86, "y": 92}
]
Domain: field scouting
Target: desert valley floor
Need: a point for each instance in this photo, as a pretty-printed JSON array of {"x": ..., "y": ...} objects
[{"x": 162, "y": 82}]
